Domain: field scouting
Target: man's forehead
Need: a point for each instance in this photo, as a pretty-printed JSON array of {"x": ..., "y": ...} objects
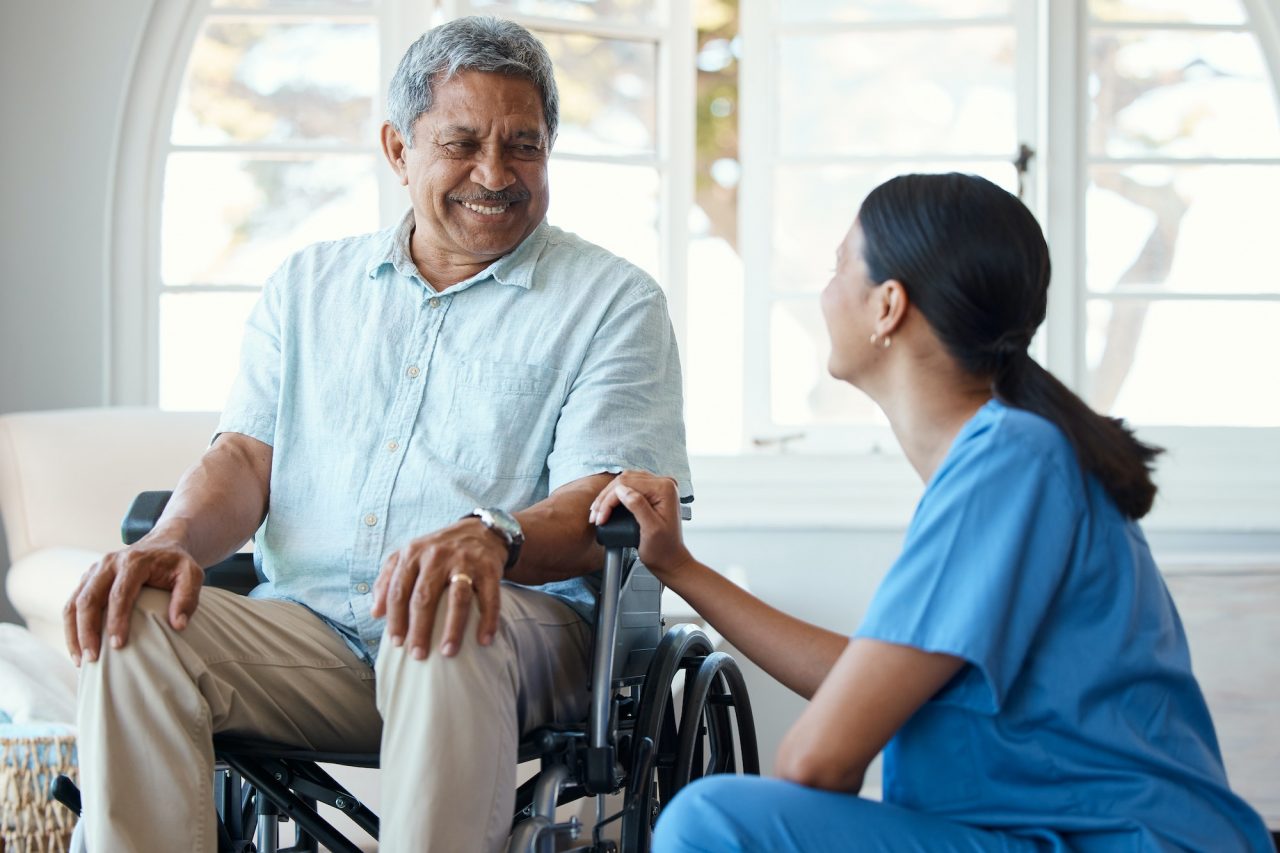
[
  {"x": 519, "y": 131},
  {"x": 474, "y": 102}
]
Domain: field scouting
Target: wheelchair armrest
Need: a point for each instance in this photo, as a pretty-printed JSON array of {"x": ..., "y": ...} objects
[
  {"x": 143, "y": 514},
  {"x": 236, "y": 573}
]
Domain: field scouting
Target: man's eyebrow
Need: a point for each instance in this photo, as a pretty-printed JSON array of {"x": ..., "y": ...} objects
[
  {"x": 528, "y": 134},
  {"x": 458, "y": 130}
]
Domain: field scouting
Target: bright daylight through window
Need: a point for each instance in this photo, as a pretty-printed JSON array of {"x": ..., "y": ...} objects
[{"x": 724, "y": 146}]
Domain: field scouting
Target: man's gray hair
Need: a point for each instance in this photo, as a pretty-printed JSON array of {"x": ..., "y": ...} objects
[{"x": 469, "y": 44}]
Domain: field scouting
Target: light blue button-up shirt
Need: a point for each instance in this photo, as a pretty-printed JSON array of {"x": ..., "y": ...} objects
[{"x": 393, "y": 410}]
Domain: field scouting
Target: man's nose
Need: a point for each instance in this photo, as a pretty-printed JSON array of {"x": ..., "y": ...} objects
[{"x": 491, "y": 170}]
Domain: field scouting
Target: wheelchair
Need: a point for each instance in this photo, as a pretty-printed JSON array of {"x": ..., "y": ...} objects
[{"x": 640, "y": 742}]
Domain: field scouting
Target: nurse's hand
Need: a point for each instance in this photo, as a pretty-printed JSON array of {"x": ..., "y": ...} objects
[{"x": 655, "y": 503}]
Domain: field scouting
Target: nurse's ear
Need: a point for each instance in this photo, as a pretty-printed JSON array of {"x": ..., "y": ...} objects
[{"x": 891, "y": 304}]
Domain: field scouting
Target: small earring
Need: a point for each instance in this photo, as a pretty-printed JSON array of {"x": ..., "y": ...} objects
[
  {"x": 873, "y": 338},
  {"x": 887, "y": 341}
]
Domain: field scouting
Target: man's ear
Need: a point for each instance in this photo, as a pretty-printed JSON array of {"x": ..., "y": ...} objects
[
  {"x": 892, "y": 306},
  {"x": 393, "y": 148}
]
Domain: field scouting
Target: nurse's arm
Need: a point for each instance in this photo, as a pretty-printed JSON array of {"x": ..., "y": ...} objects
[{"x": 872, "y": 690}]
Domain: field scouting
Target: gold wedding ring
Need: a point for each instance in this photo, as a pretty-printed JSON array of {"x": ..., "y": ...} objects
[{"x": 462, "y": 576}]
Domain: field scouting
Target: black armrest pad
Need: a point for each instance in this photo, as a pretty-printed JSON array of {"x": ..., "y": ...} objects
[
  {"x": 235, "y": 574},
  {"x": 620, "y": 531},
  {"x": 143, "y": 514}
]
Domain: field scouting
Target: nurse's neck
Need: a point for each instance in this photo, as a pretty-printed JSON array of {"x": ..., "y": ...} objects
[{"x": 927, "y": 398}]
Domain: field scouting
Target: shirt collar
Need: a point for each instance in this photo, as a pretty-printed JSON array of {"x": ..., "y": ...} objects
[{"x": 514, "y": 269}]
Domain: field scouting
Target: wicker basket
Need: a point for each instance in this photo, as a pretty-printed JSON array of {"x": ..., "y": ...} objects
[{"x": 31, "y": 822}]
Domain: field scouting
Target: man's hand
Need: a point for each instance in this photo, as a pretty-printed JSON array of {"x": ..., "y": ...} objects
[
  {"x": 462, "y": 561},
  {"x": 112, "y": 585}
]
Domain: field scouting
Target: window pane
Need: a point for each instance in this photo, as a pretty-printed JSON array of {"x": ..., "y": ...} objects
[
  {"x": 228, "y": 219},
  {"x": 815, "y": 205},
  {"x": 802, "y": 390},
  {"x": 607, "y": 93},
  {"x": 289, "y": 5},
  {"x": 890, "y": 10},
  {"x": 1181, "y": 94},
  {"x": 713, "y": 350},
  {"x": 200, "y": 347},
  {"x": 1185, "y": 363},
  {"x": 1188, "y": 11},
  {"x": 896, "y": 93},
  {"x": 574, "y": 10},
  {"x": 1187, "y": 229},
  {"x": 613, "y": 206},
  {"x": 262, "y": 81}
]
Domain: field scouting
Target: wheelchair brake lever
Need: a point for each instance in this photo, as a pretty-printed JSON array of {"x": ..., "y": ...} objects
[{"x": 643, "y": 767}]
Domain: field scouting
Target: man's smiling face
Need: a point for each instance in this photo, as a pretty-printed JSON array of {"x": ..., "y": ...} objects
[{"x": 477, "y": 171}]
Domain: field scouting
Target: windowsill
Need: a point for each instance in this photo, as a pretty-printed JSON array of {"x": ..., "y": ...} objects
[{"x": 1210, "y": 481}]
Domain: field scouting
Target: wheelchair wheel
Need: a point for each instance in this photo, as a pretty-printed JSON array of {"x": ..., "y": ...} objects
[{"x": 712, "y": 730}]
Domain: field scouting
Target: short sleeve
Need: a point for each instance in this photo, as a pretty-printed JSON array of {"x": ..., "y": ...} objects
[
  {"x": 255, "y": 395},
  {"x": 983, "y": 559},
  {"x": 625, "y": 406}
]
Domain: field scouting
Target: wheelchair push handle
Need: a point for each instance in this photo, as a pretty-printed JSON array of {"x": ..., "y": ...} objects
[
  {"x": 620, "y": 531},
  {"x": 623, "y": 531}
]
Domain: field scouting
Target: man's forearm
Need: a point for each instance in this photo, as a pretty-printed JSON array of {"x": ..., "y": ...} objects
[
  {"x": 560, "y": 542},
  {"x": 220, "y": 501}
]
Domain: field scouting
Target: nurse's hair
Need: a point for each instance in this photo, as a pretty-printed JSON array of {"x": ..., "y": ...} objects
[{"x": 973, "y": 260}]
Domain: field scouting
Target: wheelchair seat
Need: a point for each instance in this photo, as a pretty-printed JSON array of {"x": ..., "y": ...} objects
[{"x": 638, "y": 741}]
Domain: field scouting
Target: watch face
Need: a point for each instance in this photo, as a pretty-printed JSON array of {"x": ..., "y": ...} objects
[{"x": 505, "y": 523}]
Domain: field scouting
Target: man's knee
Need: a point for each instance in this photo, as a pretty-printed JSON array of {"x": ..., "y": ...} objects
[
  {"x": 469, "y": 666},
  {"x": 152, "y": 647}
]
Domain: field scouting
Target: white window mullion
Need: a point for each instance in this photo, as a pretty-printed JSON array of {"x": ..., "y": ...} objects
[
  {"x": 757, "y": 141},
  {"x": 401, "y": 22},
  {"x": 1265, "y": 17},
  {"x": 1066, "y": 141},
  {"x": 677, "y": 87},
  {"x": 1027, "y": 80}
]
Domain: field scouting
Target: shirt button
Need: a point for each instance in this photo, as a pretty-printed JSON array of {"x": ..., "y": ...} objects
[
  {"x": 362, "y": 588},
  {"x": 371, "y": 519},
  {"x": 393, "y": 445},
  {"x": 413, "y": 372},
  {"x": 434, "y": 303}
]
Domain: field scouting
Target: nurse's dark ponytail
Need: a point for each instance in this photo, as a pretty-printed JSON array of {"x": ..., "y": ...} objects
[{"x": 974, "y": 262}]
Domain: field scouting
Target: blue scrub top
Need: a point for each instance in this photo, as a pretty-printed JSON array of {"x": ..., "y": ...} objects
[{"x": 1077, "y": 718}]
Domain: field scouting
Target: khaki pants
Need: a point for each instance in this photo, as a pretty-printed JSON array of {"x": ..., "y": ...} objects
[{"x": 447, "y": 728}]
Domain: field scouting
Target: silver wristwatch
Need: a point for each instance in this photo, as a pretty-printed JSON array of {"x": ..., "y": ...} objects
[{"x": 504, "y": 524}]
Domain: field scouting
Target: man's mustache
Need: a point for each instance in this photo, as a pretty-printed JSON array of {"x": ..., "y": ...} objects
[{"x": 506, "y": 196}]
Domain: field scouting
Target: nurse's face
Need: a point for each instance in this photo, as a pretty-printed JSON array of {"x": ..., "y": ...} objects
[{"x": 848, "y": 308}]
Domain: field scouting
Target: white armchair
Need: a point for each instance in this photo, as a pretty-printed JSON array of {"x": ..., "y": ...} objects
[{"x": 66, "y": 479}]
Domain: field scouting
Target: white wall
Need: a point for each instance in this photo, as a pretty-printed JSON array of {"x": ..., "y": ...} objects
[{"x": 64, "y": 68}]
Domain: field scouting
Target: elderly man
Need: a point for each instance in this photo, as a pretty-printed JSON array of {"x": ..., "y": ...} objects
[{"x": 422, "y": 418}]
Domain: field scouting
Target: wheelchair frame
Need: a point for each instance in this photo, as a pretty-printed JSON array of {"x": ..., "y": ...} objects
[{"x": 635, "y": 742}]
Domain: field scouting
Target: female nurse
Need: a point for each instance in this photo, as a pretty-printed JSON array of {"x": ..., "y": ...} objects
[{"x": 1021, "y": 665}]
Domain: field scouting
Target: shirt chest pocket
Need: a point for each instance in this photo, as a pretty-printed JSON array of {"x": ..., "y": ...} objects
[{"x": 502, "y": 418}]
